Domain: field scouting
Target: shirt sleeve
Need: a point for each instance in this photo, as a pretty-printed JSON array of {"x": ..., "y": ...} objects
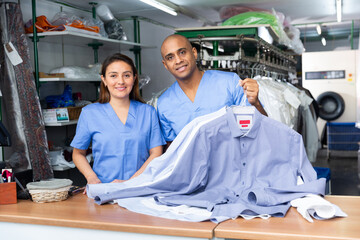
[
  {"x": 299, "y": 166},
  {"x": 82, "y": 137},
  {"x": 156, "y": 137},
  {"x": 301, "y": 162},
  {"x": 166, "y": 129}
]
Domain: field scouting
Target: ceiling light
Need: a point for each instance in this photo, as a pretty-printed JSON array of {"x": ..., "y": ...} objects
[
  {"x": 318, "y": 29},
  {"x": 338, "y": 10},
  {"x": 160, "y": 6},
  {"x": 323, "y": 41}
]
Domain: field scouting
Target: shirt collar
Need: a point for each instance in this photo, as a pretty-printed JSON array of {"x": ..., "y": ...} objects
[
  {"x": 132, "y": 108},
  {"x": 235, "y": 130}
]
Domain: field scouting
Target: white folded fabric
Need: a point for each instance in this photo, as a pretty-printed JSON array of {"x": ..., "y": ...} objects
[{"x": 317, "y": 207}]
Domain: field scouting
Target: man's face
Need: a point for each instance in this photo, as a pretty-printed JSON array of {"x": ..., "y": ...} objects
[{"x": 179, "y": 58}]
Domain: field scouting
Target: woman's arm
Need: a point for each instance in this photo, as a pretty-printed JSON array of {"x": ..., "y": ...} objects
[
  {"x": 154, "y": 152},
  {"x": 79, "y": 158}
]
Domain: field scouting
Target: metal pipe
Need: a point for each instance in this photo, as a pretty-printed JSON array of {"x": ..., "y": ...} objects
[
  {"x": 35, "y": 41},
  {"x": 216, "y": 52},
  {"x": 93, "y": 9},
  {"x": 213, "y": 39},
  {"x": 94, "y": 46},
  {"x": 136, "y": 49},
  {"x": 352, "y": 35}
]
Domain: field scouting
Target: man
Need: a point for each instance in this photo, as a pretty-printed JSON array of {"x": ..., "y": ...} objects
[{"x": 196, "y": 93}]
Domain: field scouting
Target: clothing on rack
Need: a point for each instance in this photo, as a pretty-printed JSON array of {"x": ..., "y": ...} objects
[
  {"x": 227, "y": 163},
  {"x": 287, "y": 104}
]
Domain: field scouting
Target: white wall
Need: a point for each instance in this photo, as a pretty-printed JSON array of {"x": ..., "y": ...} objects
[
  {"x": 151, "y": 58},
  {"x": 331, "y": 45}
]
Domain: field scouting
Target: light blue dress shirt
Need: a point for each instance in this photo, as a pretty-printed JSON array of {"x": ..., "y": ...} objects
[
  {"x": 119, "y": 150},
  {"x": 216, "y": 90},
  {"x": 226, "y": 169}
]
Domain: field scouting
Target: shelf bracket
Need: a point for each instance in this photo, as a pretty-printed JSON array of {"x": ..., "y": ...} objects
[{"x": 95, "y": 46}]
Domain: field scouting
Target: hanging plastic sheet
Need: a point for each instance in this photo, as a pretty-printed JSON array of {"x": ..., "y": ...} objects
[{"x": 21, "y": 102}]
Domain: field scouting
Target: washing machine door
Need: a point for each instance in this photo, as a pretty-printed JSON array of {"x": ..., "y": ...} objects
[{"x": 331, "y": 105}]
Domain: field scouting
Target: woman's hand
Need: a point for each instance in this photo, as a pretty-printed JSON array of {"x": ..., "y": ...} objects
[
  {"x": 118, "y": 181},
  {"x": 92, "y": 180}
]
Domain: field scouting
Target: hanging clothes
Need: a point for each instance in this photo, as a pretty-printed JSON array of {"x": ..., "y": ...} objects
[
  {"x": 20, "y": 99},
  {"x": 229, "y": 165},
  {"x": 291, "y": 106}
]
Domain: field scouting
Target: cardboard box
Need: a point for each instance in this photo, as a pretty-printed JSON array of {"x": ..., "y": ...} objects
[
  {"x": 51, "y": 75},
  {"x": 8, "y": 193}
]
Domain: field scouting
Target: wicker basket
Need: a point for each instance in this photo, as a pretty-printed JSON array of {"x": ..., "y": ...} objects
[
  {"x": 56, "y": 195},
  {"x": 54, "y": 190},
  {"x": 74, "y": 112}
]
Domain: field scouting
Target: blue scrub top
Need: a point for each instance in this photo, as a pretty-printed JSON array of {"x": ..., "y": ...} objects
[
  {"x": 216, "y": 90},
  {"x": 119, "y": 150}
]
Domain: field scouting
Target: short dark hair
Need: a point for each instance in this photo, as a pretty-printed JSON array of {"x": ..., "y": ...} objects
[{"x": 104, "y": 92}]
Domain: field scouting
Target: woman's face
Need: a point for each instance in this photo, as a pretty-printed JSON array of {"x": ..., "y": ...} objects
[{"x": 119, "y": 80}]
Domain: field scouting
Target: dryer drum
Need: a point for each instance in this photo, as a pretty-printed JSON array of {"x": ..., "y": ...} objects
[{"x": 331, "y": 105}]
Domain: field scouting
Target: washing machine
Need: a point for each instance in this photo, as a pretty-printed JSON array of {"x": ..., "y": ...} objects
[{"x": 331, "y": 79}]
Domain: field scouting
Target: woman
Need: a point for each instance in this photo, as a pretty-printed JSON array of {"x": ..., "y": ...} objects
[{"x": 124, "y": 131}]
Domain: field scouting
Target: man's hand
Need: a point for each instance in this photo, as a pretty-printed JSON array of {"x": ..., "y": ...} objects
[{"x": 251, "y": 89}]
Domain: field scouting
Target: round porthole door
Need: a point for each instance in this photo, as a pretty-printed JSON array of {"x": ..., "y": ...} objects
[{"x": 331, "y": 105}]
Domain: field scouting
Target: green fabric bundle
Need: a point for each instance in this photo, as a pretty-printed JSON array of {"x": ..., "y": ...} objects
[{"x": 254, "y": 18}]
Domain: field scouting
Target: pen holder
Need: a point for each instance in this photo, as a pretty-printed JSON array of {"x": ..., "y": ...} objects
[{"x": 8, "y": 193}]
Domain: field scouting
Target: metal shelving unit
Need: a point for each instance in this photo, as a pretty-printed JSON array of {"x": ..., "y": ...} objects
[
  {"x": 58, "y": 124},
  {"x": 43, "y": 80},
  {"x": 80, "y": 39},
  {"x": 71, "y": 37},
  {"x": 76, "y": 37}
]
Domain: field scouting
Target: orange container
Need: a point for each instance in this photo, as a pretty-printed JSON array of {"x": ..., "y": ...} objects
[{"x": 8, "y": 193}]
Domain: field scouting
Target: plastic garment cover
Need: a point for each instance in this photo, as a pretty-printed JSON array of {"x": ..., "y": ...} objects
[
  {"x": 294, "y": 35},
  {"x": 113, "y": 26},
  {"x": 21, "y": 102},
  {"x": 287, "y": 104},
  {"x": 143, "y": 80},
  {"x": 155, "y": 97},
  {"x": 65, "y": 18},
  {"x": 307, "y": 128},
  {"x": 272, "y": 97},
  {"x": 92, "y": 72},
  {"x": 115, "y": 30},
  {"x": 288, "y": 34}
]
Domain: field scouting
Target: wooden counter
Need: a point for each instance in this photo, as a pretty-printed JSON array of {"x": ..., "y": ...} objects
[
  {"x": 294, "y": 226},
  {"x": 81, "y": 212},
  {"x": 80, "y": 218}
]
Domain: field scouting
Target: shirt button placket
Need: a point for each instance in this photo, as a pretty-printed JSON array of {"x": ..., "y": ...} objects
[{"x": 243, "y": 160}]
